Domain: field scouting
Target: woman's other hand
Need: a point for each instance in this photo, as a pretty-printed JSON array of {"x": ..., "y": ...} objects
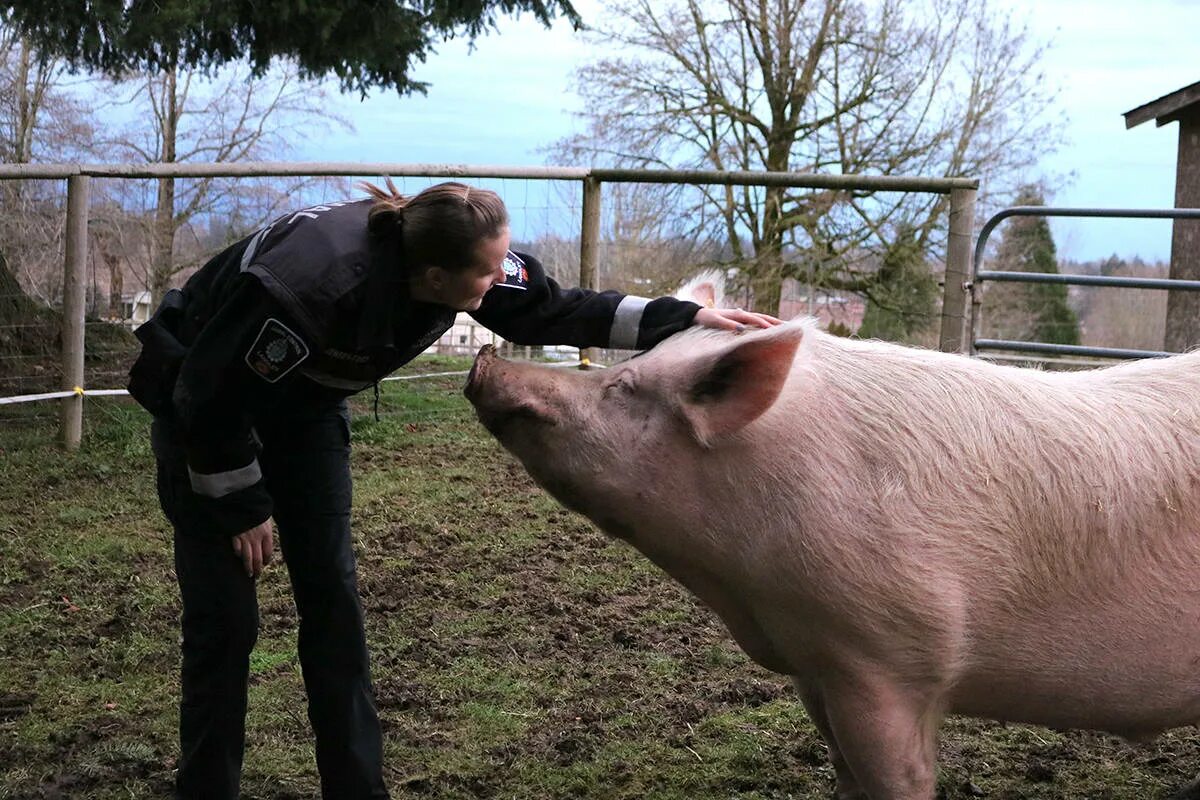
[
  {"x": 733, "y": 319},
  {"x": 255, "y": 547}
]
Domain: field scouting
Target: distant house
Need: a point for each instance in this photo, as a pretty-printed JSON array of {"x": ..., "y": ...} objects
[
  {"x": 829, "y": 308},
  {"x": 135, "y": 309},
  {"x": 465, "y": 337}
]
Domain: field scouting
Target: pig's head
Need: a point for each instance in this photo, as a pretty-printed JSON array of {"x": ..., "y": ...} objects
[{"x": 599, "y": 440}]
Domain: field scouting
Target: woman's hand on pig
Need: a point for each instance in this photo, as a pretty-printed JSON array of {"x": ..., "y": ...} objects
[{"x": 733, "y": 319}]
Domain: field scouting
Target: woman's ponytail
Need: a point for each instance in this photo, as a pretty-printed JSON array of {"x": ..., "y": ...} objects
[
  {"x": 387, "y": 214},
  {"x": 442, "y": 225}
]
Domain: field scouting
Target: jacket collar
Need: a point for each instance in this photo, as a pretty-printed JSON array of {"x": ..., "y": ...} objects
[
  {"x": 385, "y": 287},
  {"x": 388, "y": 307}
]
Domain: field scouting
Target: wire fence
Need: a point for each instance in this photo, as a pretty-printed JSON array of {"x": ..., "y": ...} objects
[
  {"x": 117, "y": 274},
  {"x": 78, "y": 282}
]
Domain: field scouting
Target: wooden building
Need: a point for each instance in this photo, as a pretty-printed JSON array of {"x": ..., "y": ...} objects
[{"x": 1183, "y": 308}]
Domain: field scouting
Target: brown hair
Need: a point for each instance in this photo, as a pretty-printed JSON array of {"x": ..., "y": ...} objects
[{"x": 439, "y": 226}]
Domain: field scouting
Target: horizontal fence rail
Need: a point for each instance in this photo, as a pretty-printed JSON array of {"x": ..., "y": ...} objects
[
  {"x": 955, "y": 308},
  {"x": 259, "y": 169},
  {"x": 1067, "y": 349},
  {"x": 1087, "y": 280},
  {"x": 1011, "y": 276}
]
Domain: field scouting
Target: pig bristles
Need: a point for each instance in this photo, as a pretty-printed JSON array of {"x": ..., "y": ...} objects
[{"x": 907, "y": 533}]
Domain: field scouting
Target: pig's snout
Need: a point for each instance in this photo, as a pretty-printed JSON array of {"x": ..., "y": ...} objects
[
  {"x": 503, "y": 392},
  {"x": 485, "y": 356}
]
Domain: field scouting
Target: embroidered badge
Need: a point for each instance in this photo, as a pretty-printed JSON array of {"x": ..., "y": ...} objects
[
  {"x": 515, "y": 274},
  {"x": 276, "y": 351}
]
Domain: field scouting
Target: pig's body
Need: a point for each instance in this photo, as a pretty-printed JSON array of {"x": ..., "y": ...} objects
[{"x": 905, "y": 532}]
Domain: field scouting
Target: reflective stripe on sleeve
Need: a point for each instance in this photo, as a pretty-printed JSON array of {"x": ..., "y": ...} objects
[
  {"x": 219, "y": 484},
  {"x": 627, "y": 322}
]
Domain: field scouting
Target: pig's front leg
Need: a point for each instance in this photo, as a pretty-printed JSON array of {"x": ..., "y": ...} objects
[
  {"x": 886, "y": 732},
  {"x": 847, "y": 786}
]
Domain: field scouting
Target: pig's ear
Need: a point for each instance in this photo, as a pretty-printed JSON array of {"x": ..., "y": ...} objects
[{"x": 733, "y": 390}]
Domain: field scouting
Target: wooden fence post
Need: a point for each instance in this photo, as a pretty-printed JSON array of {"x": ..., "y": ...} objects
[
  {"x": 956, "y": 303},
  {"x": 74, "y": 281},
  {"x": 589, "y": 247}
]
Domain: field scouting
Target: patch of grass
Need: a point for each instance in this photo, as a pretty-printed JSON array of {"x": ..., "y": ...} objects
[
  {"x": 264, "y": 660},
  {"x": 517, "y": 652}
]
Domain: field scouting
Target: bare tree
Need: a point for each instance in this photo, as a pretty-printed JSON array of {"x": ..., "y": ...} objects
[
  {"x": 180, "y": 116},
  {"x": 41, "y": 119},
  {"x": 919, "y": 87},
  {"x": 646, "y": 246}
]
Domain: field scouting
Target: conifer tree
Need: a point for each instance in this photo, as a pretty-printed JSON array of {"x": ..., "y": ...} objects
[
  {"x": 902, "y": 300},
  {"x": 364, "y": 43},
  {"x": 1036, "y": 312}
]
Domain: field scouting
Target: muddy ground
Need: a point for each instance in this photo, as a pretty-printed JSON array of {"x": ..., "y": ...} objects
[{"x": 517, "y": 652}]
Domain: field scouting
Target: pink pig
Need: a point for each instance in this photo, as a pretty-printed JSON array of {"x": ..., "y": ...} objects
[{"x": 906, "y": 533}]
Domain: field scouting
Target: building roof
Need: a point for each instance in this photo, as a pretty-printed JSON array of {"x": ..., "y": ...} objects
[{"x": 1168, "y": 108}]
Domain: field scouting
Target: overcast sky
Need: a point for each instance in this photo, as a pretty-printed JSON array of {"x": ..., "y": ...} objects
[{"x": 511, "y": 96}]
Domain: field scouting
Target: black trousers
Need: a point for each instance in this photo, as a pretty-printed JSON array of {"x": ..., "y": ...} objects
[{"x": 305, "y": 461}]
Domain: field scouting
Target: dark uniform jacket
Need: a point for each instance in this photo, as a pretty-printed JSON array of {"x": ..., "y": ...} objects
[{"x": 311, "y": 309}]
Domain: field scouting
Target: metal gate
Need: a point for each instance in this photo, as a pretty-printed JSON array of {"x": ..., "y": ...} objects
[{"x": 1045, "y": 348}]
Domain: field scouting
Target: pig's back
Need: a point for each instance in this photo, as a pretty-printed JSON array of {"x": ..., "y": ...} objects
[{"x": 1069, "y": 471}]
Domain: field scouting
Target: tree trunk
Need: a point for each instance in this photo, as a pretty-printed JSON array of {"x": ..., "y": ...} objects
[
  {"x": 1183, "y": 308},
  {"x": 13, "y": 300},
  {"x": 162, "y": 255},
  {"x": 21, "y": 136},
  {"x": 116, "y": 279},
  {"x": 767, "y": 281},
  {"x": 766, "y": 287}
]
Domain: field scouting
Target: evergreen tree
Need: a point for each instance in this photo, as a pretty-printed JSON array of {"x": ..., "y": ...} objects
[
  {"x": 903, "y": 298},
  {"x": 1036, "y": 312},
  {"x": 365, "y": 43}
]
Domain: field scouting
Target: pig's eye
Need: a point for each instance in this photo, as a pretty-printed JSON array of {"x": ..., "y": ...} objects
[{"x": 622, "y": 386}]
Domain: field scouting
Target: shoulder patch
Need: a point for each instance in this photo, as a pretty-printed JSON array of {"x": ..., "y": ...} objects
[
  {"x": 515, "y": 274},
  {"x": 276, "y": 351}
]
